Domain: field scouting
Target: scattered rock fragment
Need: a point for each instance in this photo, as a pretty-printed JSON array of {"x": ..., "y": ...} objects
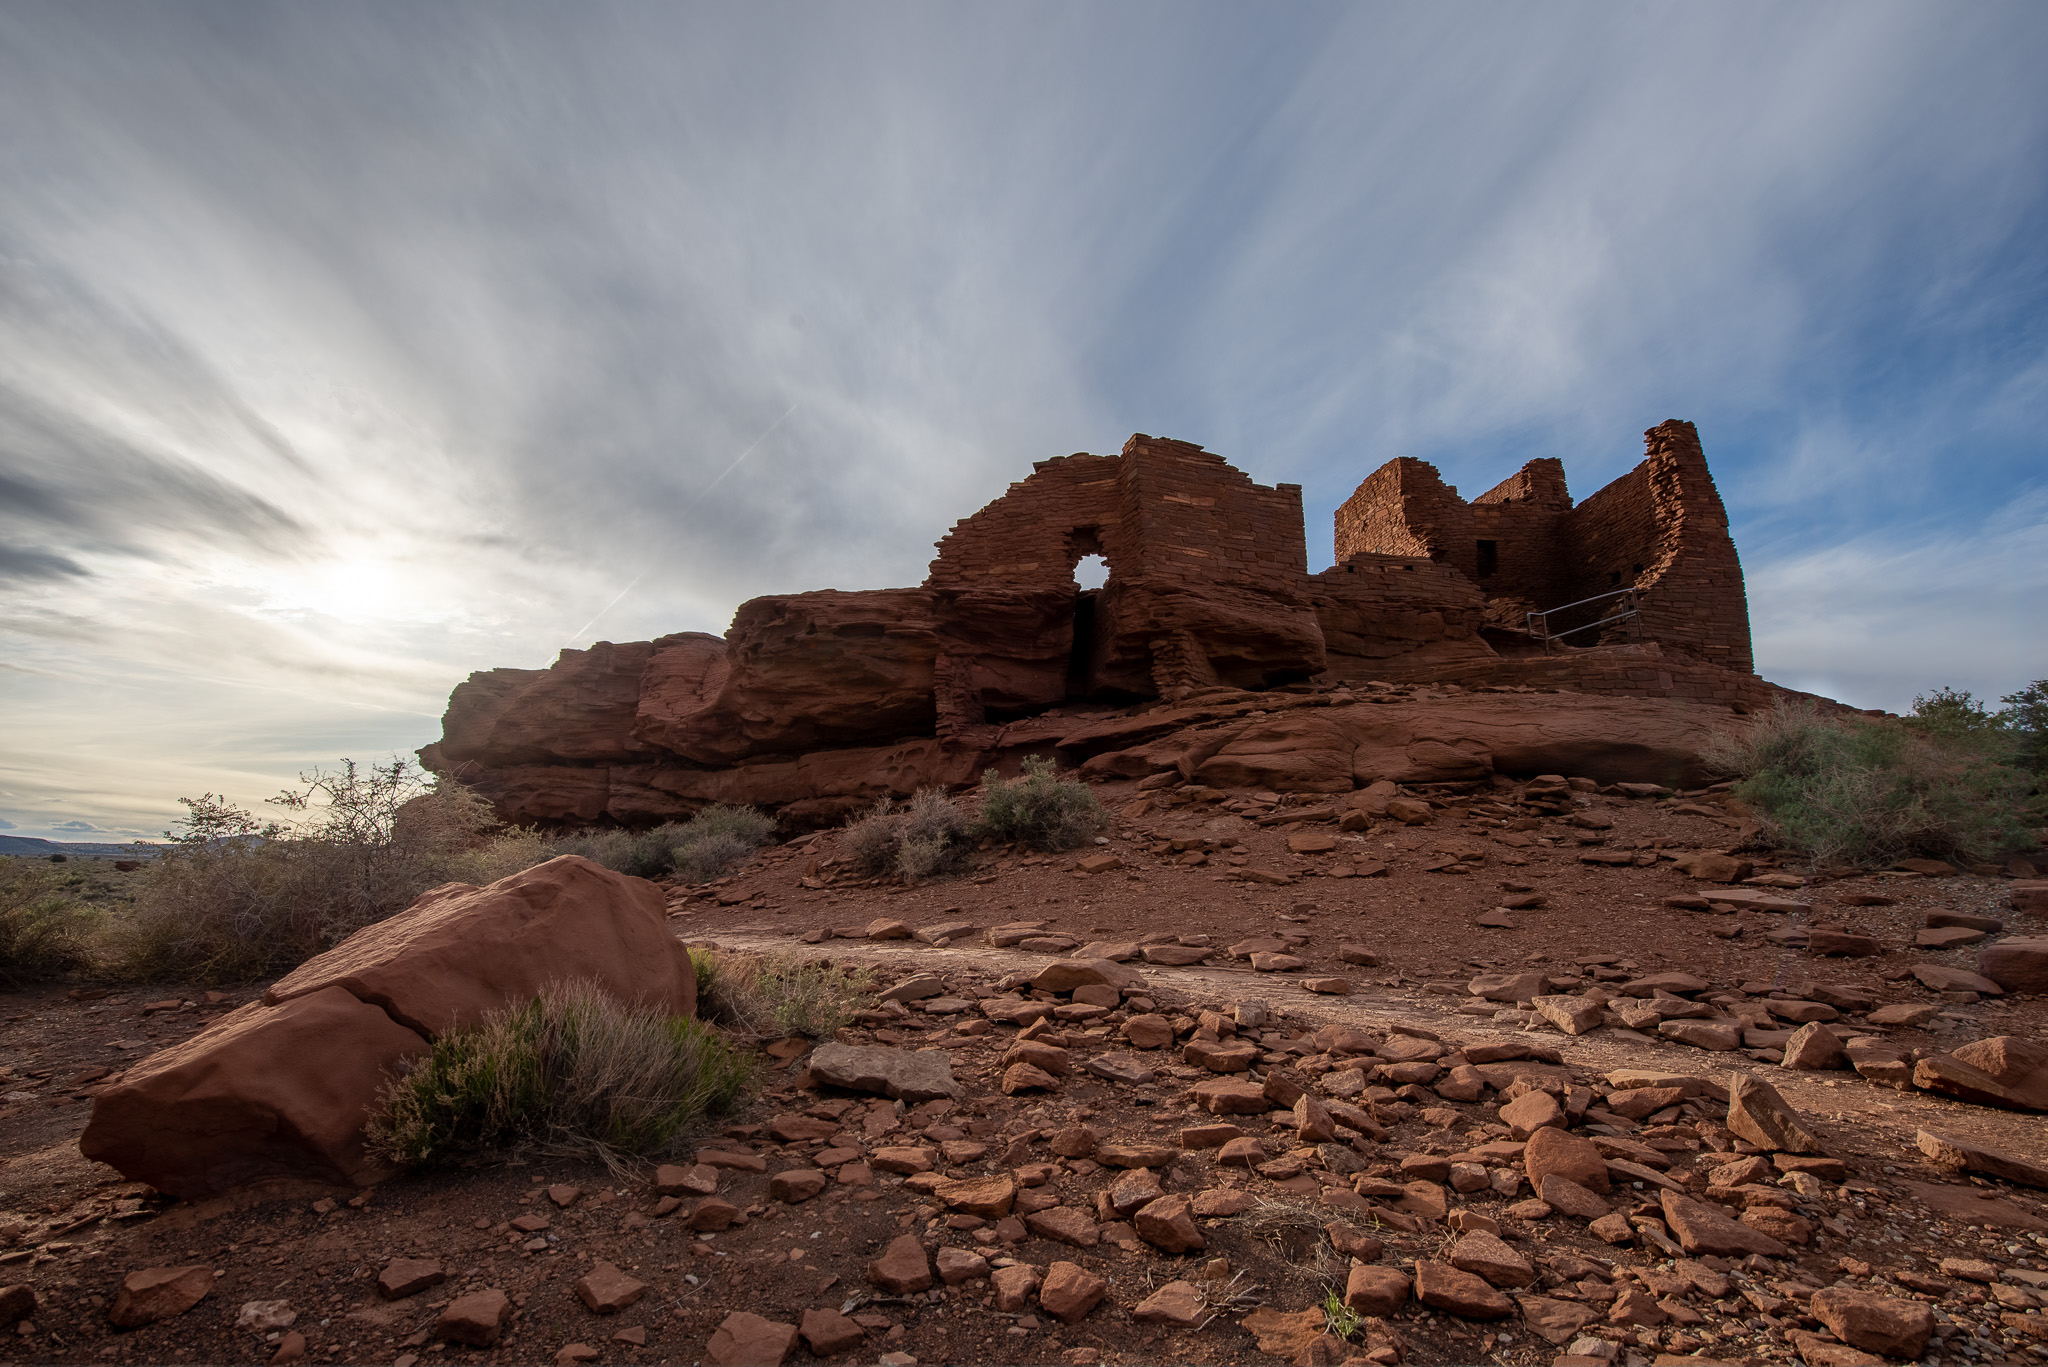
[
  {"x": 900, "y": 1074},
  {"x": 477, "y": 1319},
  {"x": 902, "y": 1268},
  {"x": 1757, "y": 1113},
  {"x": 157, "y": 1293},
  {"x": 1877, "y": 1324},
  {"x": 744, "y": 1339},
  {"x": 1070, "y": 1291}
]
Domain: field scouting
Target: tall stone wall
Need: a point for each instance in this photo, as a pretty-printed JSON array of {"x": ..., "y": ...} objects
[{"x": 1659, "y": 529}]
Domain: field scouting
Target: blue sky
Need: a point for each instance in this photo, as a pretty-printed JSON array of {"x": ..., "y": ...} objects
[{"x": 347, "y": 349}]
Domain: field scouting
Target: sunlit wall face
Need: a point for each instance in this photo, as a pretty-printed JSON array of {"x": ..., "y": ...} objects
[{"x": 347, "y": 349}]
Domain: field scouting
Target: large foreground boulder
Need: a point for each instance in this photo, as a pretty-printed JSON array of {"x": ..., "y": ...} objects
[
  {"x": 460, "y": 951},
  {"x": 284, "y": 1087},
  {"x": 263, "y": 1093}
]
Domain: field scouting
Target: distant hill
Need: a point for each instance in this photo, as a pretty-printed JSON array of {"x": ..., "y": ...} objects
[{"x": 75, "y": 849}]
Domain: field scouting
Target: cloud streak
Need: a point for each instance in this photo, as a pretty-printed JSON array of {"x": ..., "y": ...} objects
[{"x": 346, "y": 350}]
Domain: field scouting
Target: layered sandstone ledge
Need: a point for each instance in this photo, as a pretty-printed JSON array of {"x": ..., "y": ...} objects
[{"x": 814, "y": 704}]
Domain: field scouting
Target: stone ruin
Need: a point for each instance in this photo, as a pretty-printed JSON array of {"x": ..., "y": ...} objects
[{"x": 814, "y": 703}]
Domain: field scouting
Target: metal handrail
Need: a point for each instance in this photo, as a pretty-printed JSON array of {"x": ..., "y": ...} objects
[{"x": 1633, "y": 614}]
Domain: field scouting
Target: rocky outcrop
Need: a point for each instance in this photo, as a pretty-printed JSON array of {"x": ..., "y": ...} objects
[
  {"x": 814, "y": 704},
  {"x": 283, "y": 1088}
]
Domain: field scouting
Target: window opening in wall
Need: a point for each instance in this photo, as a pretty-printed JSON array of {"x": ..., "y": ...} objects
[
  {"x": 1614, "y": 578},
  {"x": 1092, "y": 572},
  {"x": 1489, "y": 558},
  {"x": 1639, "y": 571}
]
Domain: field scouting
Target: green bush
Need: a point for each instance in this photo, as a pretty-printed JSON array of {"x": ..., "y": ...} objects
[
  {"x": 1040, "y": 809},
  {"x": 44, "y": 924},
  {"x": 925, "y": 840},
  {"x": 700, "y": 849},
  {"x": 572, "y": 1071},
  {"x": 771, "y": 996},
  {"x": 1871, "y": 792}
]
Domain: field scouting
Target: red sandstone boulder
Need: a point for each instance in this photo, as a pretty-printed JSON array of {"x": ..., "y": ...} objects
[
  {"x": 264, "y": 1092},
  {"x": 283, "y": 1088},
  {"x": 460, "y": 952},
  {"x": 581, "y": 708},
  {"x": 808, "y": 671}
]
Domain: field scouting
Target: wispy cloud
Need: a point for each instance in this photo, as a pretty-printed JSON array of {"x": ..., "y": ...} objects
[{"x": 344, "y": 350}]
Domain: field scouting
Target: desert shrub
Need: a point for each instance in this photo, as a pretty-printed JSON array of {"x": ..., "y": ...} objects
[
  {"x": 44, "y": 924},
  {"x": 235, "y": 897},
  {"x": 1870, "y": 792},
  {"x": 925, "y": 840},
  {"x": 1040, "y": 809},
  {"x": 700, "y": 849},
  {"x": 770, "y": 996},
  {"x": 572, "y": 1071}
]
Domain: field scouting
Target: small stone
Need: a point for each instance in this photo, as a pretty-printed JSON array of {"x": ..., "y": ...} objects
[
  {"x": 1814, "y": 1047},
  {"x": 261, "y": 1317},
  {"x": 1376, "y": 1291},
  {"x": 712, "y": 1214},
  {"x": 1126, "y": 1155},
  {"x": 564, "y": 1196},
  {"x": 1573, "y": 1015},
  {"x": 1358, "y": 954},
  {"x": 957, "y": 1265},
  {"x": 292, "y": 1348},
  {"x": 1329, "y": 987},
  {"x": 604, "y": 1290},
  {"x": 476, "y": 1319},
  {"x": 1070, "y": 1291},
  {"x": 1313, "y": 1123},
  {"x": 1560, "y": 1193},
  {"x": 1443, "y": 1287},
  {"x": 884, "y": 928},
  {"x": 830, "y": 1333},
  {"x": 991, "y": 1198},
  {"x": 900, "y": 1074},
  {"x": 1530, "y": 1112},
  {"x": 1553, "y": 1320},
  {"x": 699, "y": 1179},
  {"x": 1064, "y": 1224},
  {"x": 797, "y": 1184},
  {"x": 1179, "y": 1304},
  {"x": 1014, "y": 1285},
  {"x": 1229, "y": 1097},
  {"x": 1702, "y": 1034},
  {"x": 1166, "y": 1224},
  {"x": 1757, "y": 1113},
  {"x": 1024, "y": 1077},
  {"x": 404, "y": 1277},
  {"x": 1702, "y": 1229},
  {"x": 1572, "y": 1157},
  {"x": 743, "y": 1339},
  {"x": 1876, "y": 1324},
  {"x": 902, "y": 1268},
  {"x": 1968, "y": 1156},
  {"x": 1635, "y": 1306},
  {"x": 17, "y": 1303},
  {"x": 1148, "y": 1031},
  {"x": 157, "y": 1293},
  {"x": 1489, "y": 1256}
]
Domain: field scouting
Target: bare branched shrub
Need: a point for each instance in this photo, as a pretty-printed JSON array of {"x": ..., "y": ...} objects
[
  {"x": 927, "y": 839},
  {"x": 572, "y": 1071},
  {"x": 235, "y": 897}
]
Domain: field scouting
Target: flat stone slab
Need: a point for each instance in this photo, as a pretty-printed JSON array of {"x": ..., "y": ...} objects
[{"x": 899, "y": 1074}]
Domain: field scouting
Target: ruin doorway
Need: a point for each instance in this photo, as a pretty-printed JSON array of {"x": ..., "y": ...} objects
[{"x": 1091, "y": 574}]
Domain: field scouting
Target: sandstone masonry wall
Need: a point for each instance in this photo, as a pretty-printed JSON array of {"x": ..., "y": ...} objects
[{"x": 1660, "y": 529}]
